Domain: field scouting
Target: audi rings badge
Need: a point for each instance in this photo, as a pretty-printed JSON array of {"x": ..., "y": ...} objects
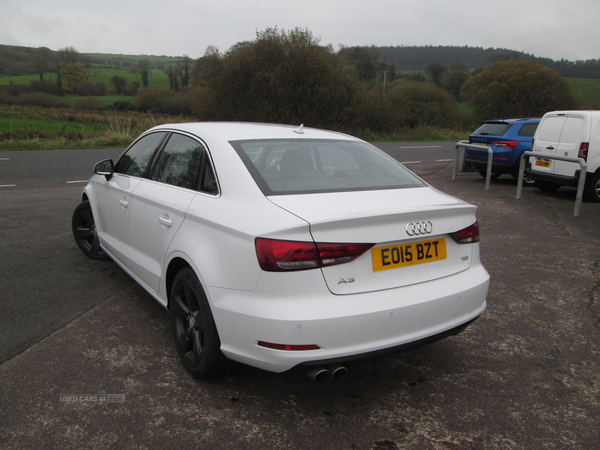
[{"x": 419, "y": 228}]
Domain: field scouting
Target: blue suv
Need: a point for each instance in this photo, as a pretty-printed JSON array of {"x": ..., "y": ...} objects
[{"x": 508, "y": 138}]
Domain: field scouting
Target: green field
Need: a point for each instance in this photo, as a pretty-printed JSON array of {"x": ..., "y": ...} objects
[
  {"x": 157, "y": 78},
  {"x": 586, "y": 90},
  {"x": 20, "y": 126}
]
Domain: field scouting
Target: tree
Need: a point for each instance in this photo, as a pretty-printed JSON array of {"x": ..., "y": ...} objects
[
  {"x": 518, "y": 89},
  {"x": 72, "y": 75},
  {"x": 143, "y": 67},
  {"x": 41, "y": 61},
  {"x": 119, "y": 83},
  {"x": 283, "y": 77},
  {"x": 436, "y": 72}
]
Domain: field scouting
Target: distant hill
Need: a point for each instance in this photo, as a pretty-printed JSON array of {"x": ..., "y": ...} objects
[
  {"x": 418, "y": 57},
  {"x": 15, "y": 61}
]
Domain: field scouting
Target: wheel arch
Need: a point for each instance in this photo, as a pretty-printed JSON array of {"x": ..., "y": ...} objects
[{"x": 175, "y": 265}]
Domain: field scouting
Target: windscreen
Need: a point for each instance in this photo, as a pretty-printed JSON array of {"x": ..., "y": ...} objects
[{"x": 314, "y": 166}]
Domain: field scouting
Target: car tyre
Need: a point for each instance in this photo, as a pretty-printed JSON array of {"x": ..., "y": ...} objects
[
  {"x": 85, "y": 233},
  {"x": 592, "y": 191},
  {"x": 547, "y": 186},
  {"x": 194, "y": 329}
]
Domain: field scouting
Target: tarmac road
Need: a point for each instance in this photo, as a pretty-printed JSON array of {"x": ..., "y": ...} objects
[{"x": 526, "y": 375}]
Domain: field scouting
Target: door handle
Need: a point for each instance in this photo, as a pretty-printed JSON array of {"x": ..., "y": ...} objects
[
  {"x": 124, "y": 203},
  {"x": 165, "y": 222},
  {"x": 550, "y": 148}
]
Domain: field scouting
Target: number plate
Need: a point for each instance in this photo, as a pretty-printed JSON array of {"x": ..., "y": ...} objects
[
  {"x": 408, "y": 254},
  {"x": 546, "y": 164}
]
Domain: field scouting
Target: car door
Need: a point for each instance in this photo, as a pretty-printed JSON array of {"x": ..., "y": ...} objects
[
  {"x": 159, "y": 205},
  {"x": 113, "y": 196}
]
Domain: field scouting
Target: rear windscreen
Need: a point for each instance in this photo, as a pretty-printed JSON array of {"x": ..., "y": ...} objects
[
  {"x": 305, "y": 166},
  {"x": 492, "y": 129}
]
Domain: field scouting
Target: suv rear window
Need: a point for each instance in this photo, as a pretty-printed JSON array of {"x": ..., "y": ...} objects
[
  {"x": 492, "y": 129},
  {"x": 313, "y": 166}
]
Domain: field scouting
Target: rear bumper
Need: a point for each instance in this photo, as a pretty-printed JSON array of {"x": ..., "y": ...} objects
[
  {"x": 553, "y": 178},
  {"x": 343, "y": 326}
]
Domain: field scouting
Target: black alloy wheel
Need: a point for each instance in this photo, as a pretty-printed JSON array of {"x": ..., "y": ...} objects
[
  {"x": 194, "y": 329},
  {"x": 85, "y": 234}
]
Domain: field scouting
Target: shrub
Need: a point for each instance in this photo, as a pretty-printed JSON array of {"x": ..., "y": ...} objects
[{"x": 89, "y": 103}]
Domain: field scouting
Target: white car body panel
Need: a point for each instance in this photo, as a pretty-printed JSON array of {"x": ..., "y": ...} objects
[{"x": 215, "y": 235}]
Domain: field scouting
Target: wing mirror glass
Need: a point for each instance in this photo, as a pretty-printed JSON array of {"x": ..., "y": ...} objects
[{"x": 106, "y": 168}]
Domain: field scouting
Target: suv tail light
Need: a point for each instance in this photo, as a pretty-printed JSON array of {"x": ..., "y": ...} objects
[
  {"x": 283, "y": 256},
  {"x": 505, "y": 144},
  {"x": 468, "y": 235},
  {"x": 583, "y": 150}
]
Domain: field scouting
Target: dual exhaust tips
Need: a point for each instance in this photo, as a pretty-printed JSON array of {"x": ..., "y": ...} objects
[{"x": 322, "y": 373}]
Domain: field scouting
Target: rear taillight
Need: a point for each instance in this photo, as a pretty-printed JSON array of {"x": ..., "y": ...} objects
[
  {"x": 283, "y": 256},
  {"x": 532, "y": 142},
  {"x": 583, "y": 150},
  {"x": 505, "y": 144},
  {"x": 468, "y": 235}
]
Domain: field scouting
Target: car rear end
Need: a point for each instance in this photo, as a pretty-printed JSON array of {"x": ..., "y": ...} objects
[
  {"x": 508, "y": 139},
  {"x": 371, "y": 282},
  {"x": 379, "y": 269}
]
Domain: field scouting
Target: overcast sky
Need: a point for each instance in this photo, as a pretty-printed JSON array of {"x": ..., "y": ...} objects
[{"x": 556, "y": 29}]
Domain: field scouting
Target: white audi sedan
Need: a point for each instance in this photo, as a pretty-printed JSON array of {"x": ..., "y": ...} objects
[{"x": 282, "y": 246}]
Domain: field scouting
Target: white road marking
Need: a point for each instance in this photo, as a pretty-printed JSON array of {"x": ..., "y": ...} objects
[
  {"x": 443, "y": 160},
  {"x": 7, "y": 185},
  {"x": 81, "y": 181},
  {"x": 410, "y": 162}
]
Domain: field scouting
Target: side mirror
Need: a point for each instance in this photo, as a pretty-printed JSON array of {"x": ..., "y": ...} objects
[{"x": 106, "y": 168}]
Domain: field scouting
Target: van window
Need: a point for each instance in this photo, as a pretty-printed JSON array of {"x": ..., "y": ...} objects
[
  {"x": 550, "y": 129},
  {"x": 572, "y": 131}
]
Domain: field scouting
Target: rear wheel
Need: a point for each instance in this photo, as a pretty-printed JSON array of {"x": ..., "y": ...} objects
[
  {"x": 194, "y": 329},
  {"x": 592, "y": 190},
  {"x": 547, "y": 186},
  {"x": 84, "y": 232}
]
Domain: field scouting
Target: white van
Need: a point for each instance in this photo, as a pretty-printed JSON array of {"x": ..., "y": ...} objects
[{"x": 567, "y": 133}]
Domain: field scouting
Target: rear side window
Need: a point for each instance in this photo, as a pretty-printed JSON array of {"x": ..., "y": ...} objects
[
  {"x": 492, "y": 129},
  {"x": 179, "y": 162},
  {"x": 528, "y": 129},
  {"x": 313, "y": 166},
  {"x": 135, "y": 161}
]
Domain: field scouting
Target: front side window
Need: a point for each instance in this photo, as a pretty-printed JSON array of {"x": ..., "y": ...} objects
[
  {"x": 179, "y": 162},
  {"x": 135, "y": 161},
  {"x": 313, "y": 166}
]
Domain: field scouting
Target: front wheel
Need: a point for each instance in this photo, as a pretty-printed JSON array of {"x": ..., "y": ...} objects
[
  {"x": 592, "y": 190},
  {"x": 85, "y": 233},
  {"x": 194, "y": 329}
]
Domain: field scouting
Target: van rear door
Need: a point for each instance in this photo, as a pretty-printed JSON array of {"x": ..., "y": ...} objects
[
  {"x": 575, "y": 131},
  {"x": 546, "y": 140}
]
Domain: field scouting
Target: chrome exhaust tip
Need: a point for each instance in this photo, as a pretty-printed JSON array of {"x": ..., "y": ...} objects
[
  {"x": 319, "y": 374},
  {"x": 337, "y": 371}
]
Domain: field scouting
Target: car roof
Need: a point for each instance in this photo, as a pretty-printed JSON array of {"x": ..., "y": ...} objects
[
  {"x": 233, "y": 131},
  {"x": 524, "y": 119}
]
